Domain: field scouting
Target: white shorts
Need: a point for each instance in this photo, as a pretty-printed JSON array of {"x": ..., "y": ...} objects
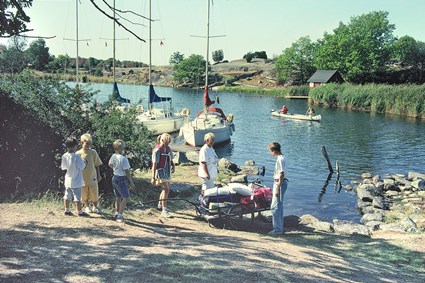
[{"x": 72, "y": 194}]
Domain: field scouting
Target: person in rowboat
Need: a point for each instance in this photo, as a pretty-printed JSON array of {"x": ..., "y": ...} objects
[
  {"x": 284, "y": 109},
  {"x": 310, "y": 112}
]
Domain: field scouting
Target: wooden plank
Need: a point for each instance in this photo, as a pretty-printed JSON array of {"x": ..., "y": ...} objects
[{"x": 296, "y": 97}]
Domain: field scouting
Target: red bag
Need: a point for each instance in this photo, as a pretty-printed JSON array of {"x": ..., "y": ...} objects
[{"x": 261, "y": 197}]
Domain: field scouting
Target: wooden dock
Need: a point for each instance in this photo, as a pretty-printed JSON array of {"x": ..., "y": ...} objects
[{"x": 296, "y": 97}]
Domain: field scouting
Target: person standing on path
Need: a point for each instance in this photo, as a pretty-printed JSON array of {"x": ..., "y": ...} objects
[
  {"x": 280, "y": 184},
  {"x": 91, "y": 174},
  {"x": 162, "y": 167},
  {"x": 208, "y": 162},
  {"x": 122, "y": 174}
]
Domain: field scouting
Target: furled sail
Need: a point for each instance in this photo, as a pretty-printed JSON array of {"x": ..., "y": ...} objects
[
  {"x": 153, "y": 97},
  {"x": 116, "y": 95},
  {"x": 207, "y": 100}
]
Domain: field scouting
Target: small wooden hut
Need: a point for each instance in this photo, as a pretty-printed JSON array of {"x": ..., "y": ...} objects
[{"x": 325, "y": 76}]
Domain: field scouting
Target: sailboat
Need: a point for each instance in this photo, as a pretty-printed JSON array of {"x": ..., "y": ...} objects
[
  {"x": 159, "y": 120},
  {"x": 210, "y": 119},
  {"x": 156, "y": 120}
]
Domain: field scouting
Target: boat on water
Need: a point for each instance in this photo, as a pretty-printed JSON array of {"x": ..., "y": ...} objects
[
  {"x": 210, "y": 119},
  {"x": 160, "y": 116},
  {"x": 278, "y": 113}
]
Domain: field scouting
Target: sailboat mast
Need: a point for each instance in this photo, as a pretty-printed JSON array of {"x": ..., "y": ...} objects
[
  {"x": 113, "y": 46},
  {"x": 208, "y": 45},
  {"x": 76, "y": 23},
  {"x": 150, "y": 41}
]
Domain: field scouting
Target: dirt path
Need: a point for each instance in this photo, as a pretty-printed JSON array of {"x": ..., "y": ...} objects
[{"x": 38, "y": 244}]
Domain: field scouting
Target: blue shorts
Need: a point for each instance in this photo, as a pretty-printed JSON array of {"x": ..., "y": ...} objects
[{"x": 119, "y": 185}]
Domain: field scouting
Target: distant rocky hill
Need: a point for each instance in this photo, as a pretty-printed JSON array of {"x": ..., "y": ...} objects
[{"x": 258, "y": 73}]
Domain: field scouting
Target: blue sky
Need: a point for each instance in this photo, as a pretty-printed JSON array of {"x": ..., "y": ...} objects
[{"x": 249, "y": 25}]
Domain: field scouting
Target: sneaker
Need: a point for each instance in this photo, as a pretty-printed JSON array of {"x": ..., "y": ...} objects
[
  {"x": 120, "y": 218},
  {"x": 97, "y": 210},
  {"x": 88, "y": 209},
  {"x": 83, "y": 214},
  {"x": 165, "y": 214},
  {"x": 275, "y": 232},
  {"x": 68, "y": 213},
  {"x": 159, "y": 207}
]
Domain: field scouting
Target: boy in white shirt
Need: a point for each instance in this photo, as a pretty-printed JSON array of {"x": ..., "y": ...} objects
[
  {"x": 119, "y": 163},
  {"x": 74, "y": 165},
  {"x": 280, "y": 186}
]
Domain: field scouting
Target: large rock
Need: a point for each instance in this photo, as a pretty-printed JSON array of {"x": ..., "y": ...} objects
[
  {"x": 291, "y": 221},
  {"x": 413, "y": 175},
  {"x": 179, "y": 158},
  {"x": 350, "y": 228},
  {"x": 374, "y": 225},
  {"x": 239, "y": 179},
  {"x": 249, "y": 163},
  {"x": 368, "y": 209},
  {"x": 192, "y": 156},
  {"x": 225, "y": 163},
  {"x": 389, "y": 185},
  {"x": 408, "y": 224},
  {"x": 367, "y": 176},
  {"x": 376, "y": 179},
  {"x": 363, "y": 204},
  {"x": 378, "y": 202},
  {"x": 308, "y": 219},
  {"x": 249, "y": 170},
  {"x": 392, "y": 227},
  {"x": 312, "y": 222},
  {"x": 419, "y": 184},
  {"x": 365, "y": 192},
  {"x": 371, "y": 217}
]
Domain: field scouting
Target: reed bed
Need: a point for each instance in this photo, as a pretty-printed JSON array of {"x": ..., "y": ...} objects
[{"x": 405, "y": 100}]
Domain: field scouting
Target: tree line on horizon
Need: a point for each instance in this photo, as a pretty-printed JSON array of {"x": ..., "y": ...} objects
[{"x": 364, "y": 50}]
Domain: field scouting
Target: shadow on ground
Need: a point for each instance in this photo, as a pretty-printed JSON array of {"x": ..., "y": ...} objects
[{"x": 158, "y": 250}]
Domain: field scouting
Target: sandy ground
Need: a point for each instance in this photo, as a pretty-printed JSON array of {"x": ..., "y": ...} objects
[{"x": 39, "y": 244}]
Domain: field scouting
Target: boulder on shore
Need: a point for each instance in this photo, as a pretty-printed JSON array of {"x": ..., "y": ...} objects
[{"x": 350, "y": 228}]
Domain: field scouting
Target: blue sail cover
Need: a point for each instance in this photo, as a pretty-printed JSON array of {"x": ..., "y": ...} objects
[
  {"x": 153, "y": 97},
  {"x": 116, "y": 95}
]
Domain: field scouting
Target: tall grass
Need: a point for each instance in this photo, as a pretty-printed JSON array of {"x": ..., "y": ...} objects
[
  {"x": 404, "y": 100},
  {"x": 292, "y": 90}
]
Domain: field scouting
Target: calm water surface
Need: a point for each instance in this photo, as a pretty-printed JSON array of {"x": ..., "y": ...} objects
[{"x": 361, "y": 142}]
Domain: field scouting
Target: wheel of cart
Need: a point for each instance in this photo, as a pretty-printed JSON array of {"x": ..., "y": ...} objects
[{"x": 240, "y": 216}]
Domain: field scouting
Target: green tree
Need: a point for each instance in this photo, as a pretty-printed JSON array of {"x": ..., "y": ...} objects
[
  {"x": 13, "y": 19},
  {"x": 190, "y": 70},
  {"x": 38, "y": 54},
  {"x": 359, "y": 49},
  {"x": 410, "y": 55},
  {"x": 295, "y": 65},
  {"x": 13, "y": 59},
  {"x": 257, "y": 54},
  {"x": 218, "y": 55},
  {"x": 176, "y": 58}
]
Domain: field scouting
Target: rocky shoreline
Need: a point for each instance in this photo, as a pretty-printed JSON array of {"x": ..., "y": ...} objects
[{"x": 394, "y": 203}]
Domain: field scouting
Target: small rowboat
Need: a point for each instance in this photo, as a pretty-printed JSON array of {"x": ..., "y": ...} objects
[{"x": 316, "y": 118}]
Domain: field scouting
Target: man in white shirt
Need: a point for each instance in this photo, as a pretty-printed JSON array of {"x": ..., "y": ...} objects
[{"x": 208, "y": 162}]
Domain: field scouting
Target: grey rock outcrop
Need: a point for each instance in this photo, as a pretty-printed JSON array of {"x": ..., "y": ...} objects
[{"x": 350, "y": 228}]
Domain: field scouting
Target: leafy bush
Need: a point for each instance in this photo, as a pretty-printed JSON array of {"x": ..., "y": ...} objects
[{"x": 73, "y": 112}]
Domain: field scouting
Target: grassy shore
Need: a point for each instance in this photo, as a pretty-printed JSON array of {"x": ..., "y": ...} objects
[{"x": 404, "y": 100}]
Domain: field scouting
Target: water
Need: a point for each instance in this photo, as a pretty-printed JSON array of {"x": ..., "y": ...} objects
[{"x": 361, "y": 142}]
